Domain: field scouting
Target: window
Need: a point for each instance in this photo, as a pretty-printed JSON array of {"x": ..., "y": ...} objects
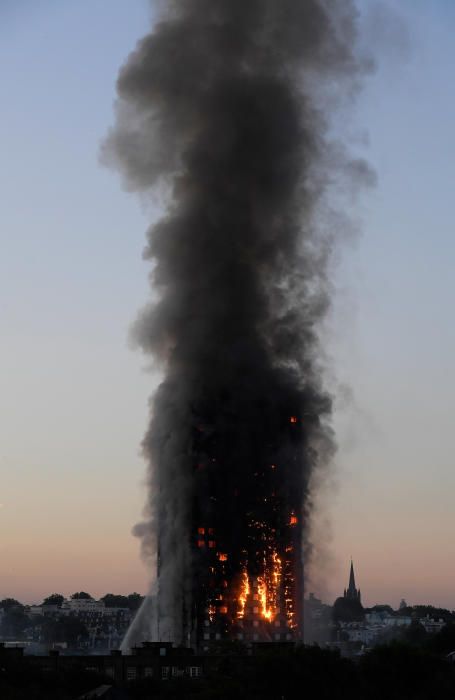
[
  {"x": 255, "y": 609},
  {"x": 240, "y": 636},
  {"x": 212, "y": 544},
  {"x": 255, "y": 623},
  {"x": 255, "y": 637},
  {"x": 278, "y": 637},
  {"x": 131, "y": 673},
  {"x": 217, "y": 635},
  {"x": 195, "y": 671},
  {"x": 206, "y": 636},
  {"x": 162, "y": 651},
  {"x": 201, "y": 531},
  {"x": 148, "y": 672},
  {"x": 110, "y": 671},
  {"x": 165, "y": 672}
]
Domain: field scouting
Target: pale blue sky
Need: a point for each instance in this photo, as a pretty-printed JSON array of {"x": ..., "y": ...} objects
[{"x": 73, "y": 394}]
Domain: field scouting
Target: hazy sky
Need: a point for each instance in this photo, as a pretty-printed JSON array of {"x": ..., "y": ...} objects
[{"x": 73, "y": 394}]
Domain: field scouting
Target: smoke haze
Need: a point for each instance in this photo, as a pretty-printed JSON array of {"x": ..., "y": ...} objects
[{"x": 224, "y": 110}]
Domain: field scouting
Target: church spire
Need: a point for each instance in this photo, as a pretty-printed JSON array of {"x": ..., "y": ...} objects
[
  {"x": 352, "y": 592},
  {"x": 351, "y": 578}
]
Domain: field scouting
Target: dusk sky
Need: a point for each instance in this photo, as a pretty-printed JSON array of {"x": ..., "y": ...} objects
[{"x": 73, "y": 392}]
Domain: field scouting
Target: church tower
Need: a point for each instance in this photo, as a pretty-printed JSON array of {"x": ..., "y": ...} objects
[{"x": 351, "y": 592}]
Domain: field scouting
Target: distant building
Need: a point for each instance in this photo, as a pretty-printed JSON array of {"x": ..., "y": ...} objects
[
  {"x": 351, "y": 592},
  {"x": 83, "y": 605},
  {"x": 432, "y": 626},
  {"x": 348, "y": 607}
]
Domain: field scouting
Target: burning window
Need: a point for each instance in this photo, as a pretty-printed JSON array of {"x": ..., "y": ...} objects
[
  {"x": 201, "y": 530},
  {"x": 222, "y": 556},
  {"x": 200, "y": 544},
  {"x": 212, "y": 544},
  {"x": 293, "y": 520},
  {"x": 293, "y": 419},
  {"x": 223, "y": 610}
]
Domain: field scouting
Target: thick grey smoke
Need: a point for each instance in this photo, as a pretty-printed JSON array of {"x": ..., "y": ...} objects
[{"x": 217, "y": 112}]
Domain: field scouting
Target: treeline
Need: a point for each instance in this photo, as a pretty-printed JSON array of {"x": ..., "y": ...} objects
[
  {"x": 111, "y": 600},
  {"x": 15, "y": 622}
]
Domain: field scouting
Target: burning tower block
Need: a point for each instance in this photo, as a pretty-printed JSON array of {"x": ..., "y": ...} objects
[
  {"x": 246, "y": 543},
  {"x": 223, "y": 110}
]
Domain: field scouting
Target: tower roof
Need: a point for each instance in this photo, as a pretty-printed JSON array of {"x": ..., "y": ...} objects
[
  {"x": 351, "y": 591},
  {"x": 351, "y": 586}
]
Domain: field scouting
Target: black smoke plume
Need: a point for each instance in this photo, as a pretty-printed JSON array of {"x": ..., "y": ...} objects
[{"x": 221, "y": 113}]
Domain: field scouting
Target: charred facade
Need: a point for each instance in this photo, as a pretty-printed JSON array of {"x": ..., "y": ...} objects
[{"x": 246, "y": 535}]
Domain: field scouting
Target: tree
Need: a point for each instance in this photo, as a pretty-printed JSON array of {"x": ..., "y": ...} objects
[
  {"x": 54, "y": 599},
  {"x": 415, "y": 634},
  {"x": 82, "y": 595},
  {"x": 135, "y": 601},
  {"x": 111, "y": 600},
  {"x": 444, "y": 641},
  {"x": 14, "y": 621},
  {"x": 67, "y": 629},
  {"x": 382, "y": 609},
  {"x": 9, "y": 603}
]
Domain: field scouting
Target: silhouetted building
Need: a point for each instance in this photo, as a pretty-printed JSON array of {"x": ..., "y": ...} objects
[
  {"x": 351, "y": 591},
  {"x": 348, "y": 608},
  {"x": 157, "y": 660}
]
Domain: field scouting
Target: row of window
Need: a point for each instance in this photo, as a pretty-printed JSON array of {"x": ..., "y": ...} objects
[
  {"x": 166, "y": 672},
  {"x": 278, "y": 636},
  {"x": 248, "y": 623}
]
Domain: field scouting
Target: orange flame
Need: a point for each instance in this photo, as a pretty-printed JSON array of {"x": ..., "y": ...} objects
[
  {"x": 244, "y": 593},
  {"x": 266, "y": 612}
]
